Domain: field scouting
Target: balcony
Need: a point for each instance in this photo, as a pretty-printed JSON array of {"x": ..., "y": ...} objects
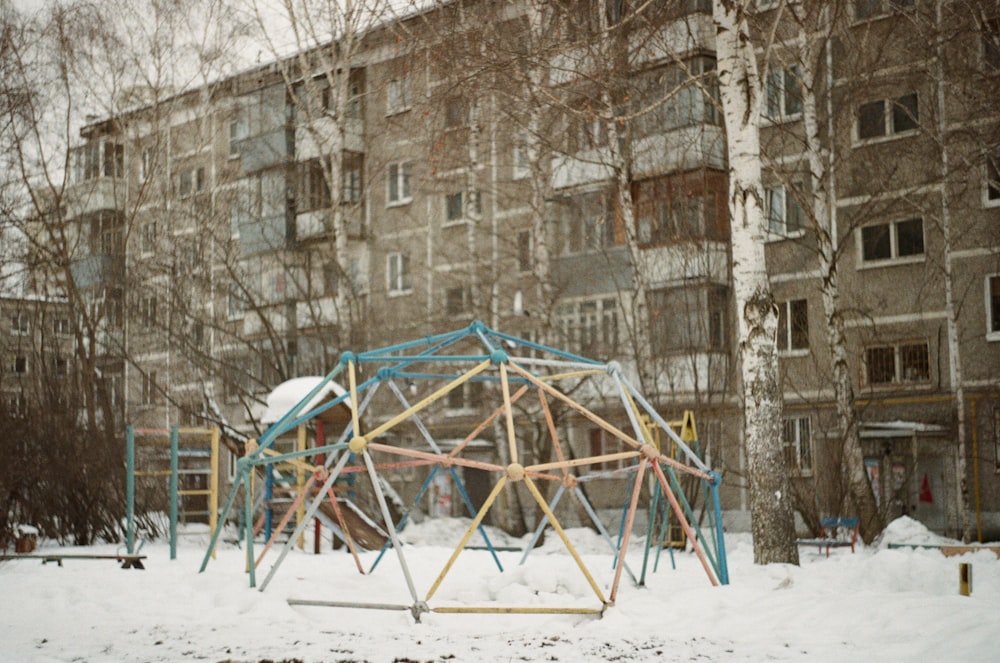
[
  {"x": 313, "y": 225},
  {"x": 95, "y": 195},
  {"x": 687, "y": 261},
  {"x": 258, "y": 323},
  {"x": 319, "y": 312},
  {"x": 93, "y": 270},
  {"x": 306, "y": 145}
]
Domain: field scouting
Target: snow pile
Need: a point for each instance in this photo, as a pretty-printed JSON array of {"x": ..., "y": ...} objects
[
  {"x": 877, "y": 604},
  {"x": 907, "y": 531}
]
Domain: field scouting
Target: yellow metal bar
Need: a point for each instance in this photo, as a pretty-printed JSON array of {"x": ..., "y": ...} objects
[
  {"x": 200, "y": 491},
  {"x": 300, "y": 479},
  {"x": 517, "y": 611},
  {"x": 551, "y": 425},
  {"x": 416, "y": 407},
  {"x": 486, "y": 422},
  {"x": 293, "y": 462},
  {"x": 577, "y": 462},
  {"x": 508, "y": 412},
  {"x": 562, "y": 534},
  {"x": 576, "y": 406},
  {"x": 573, "y": 374},
  {"x": 434, "y": 458},
  {"x": 468, "y": 534},
  {"x": 153, "y": 473}
]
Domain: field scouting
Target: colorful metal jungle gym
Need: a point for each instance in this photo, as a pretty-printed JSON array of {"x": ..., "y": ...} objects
[{"x": 516, "y": 368}]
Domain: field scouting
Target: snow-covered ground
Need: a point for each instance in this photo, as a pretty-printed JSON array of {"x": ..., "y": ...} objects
[{"x": 879, "y": 604}]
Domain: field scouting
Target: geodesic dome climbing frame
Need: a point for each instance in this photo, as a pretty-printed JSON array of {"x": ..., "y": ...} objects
[{"x": 518, "y": 367}]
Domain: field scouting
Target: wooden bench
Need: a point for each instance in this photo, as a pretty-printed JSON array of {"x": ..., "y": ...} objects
[
  {"x": 837, "y": 532},
  {"x": 127, "y": 561}
]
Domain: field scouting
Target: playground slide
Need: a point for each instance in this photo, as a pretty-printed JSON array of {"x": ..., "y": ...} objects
[{"x": 365, "y": 534}]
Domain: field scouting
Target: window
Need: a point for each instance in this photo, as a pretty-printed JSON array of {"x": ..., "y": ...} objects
[
  {"x": 675, "y": 210},
  {"x": 148, "y": 239},
  {"x": 146, "y": 166},
  {"x": 785, "y": 215},
  {"x": 784, "y": 94},
  {"x": 793, "y": 325},
  {"x": 191, "y": 181},
  {"x": 903, "y": 363},
  {"x": 237, "y": 132},
  {"x": 398, "y": 273},
  {"x": 993, "y": 307},
  {"x": 314, "y": 193},
  {"x": 19, "y": 365},
  {"x": 866, "y": 9},
  {"x": 149, "y": 390},
  {"x": 236, "y": 303},
  {"x": 465, "y": 397},
  {"x": 147, "y": 312},
  {"x": 524, "y": 258},
  {"x": 453, "y": 207},
  {"x": 456, "y": 300},
  {"x": 888, "y": 241},
  {"x": 60, "y": 366},
  {"x": 590, "y": 327},
  {"x": 398, "y": 96},
  {"x": 991, "y": 44},
  {"x": 353, "y": 181},
  {"x": 521, "y": 159},
  {"x": 991, "y": 192},
  {"x": 19, "y": 324},
  {"x": 603, "y": 443},
  {"x": 796, "y": 438},
  {"x": 97, "y": 159},
  {"x": 888, "y": 117},
  {"x": 587, "y": 224},
  {"x": 398, "y": 183},
  {"x": 454, "y": 113},
  {"x": 688, "y": 319},
  {"x": 60, "y": 326}
]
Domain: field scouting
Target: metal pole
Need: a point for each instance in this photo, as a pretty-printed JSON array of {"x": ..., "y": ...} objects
[
  {"x": 130, "y": 489},
  {"x": 173, "y": 491}
]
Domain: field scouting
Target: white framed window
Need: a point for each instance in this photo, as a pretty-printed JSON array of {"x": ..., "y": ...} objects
[
  {"x": 689, "y": 319},
  {"x": 991, "y": 183},
  {"x": 20, "y": 324},
  {"x": 149, "y": 391},
  {"x": 461, "y": 206},
  {"x": 398, "y": 96},
  {"x": 784, "y": 94},
  {"x": 147, "y": 312},
  {"x": 886, "y": 118},
  {"x": 60, "y": 366},
  {"x": 868, "y": 9},
  {"x": 521, "y": 157},
  {"x": 898, "y": 363},
  {"x": 793, "y": 326},
  {"x": 785, "y": 216},
  {"x": 60, "y": 327},
  {"x": 455, "y": 113},
  {"x": 796, "y": 439},
  {"x": 237, "y": 132},
  {"x": 191, "y": 181},
  {"x": 352, "y": 174},
  {"x": 397, "y": 183},
  {"x": 590, "y": 327},
  {"x": 894, "y": 241},
  {"x": 993, "y": 307},
  {"x": 397, "y": 273}
]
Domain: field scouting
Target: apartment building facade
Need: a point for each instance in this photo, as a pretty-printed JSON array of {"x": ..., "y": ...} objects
[{"x": 561, "y": 175}]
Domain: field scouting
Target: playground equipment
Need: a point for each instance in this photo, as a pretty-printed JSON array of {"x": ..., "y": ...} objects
[
  {"x": 189, "y": 458},
  {"x": 448, "y": 361}
]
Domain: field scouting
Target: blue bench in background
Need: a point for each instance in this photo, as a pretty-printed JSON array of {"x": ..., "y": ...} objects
[{"x": 837, "y": 532}]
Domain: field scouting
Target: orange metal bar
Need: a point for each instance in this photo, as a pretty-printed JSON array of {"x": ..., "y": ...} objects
[
  {"x": 623, "y": 546},
  {"x": 292, "y": 508},
  {"x": 684, "y": 523},
  {"x": 344, "y": 528},
  {"x": 509, "y": 413},
  {"x": 488, "y": 421}
]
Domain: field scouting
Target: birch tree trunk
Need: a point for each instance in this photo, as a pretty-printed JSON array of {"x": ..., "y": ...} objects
[
  {"x": 771, "y": 515},
  {"x": 819, "y": 158}
]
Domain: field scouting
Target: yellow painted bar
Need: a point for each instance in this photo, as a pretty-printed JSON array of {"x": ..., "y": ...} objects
[
  {"x": 562, "y": 534},
  {"x": 153, "y": 473},
  {"x": 573, "y": 374},
  {"x": 451, "y": 386},
  {"x": 294, "y": 462},
  {"x": 200, "y": 491},
  {"x": 468, "y": 534},
  {"x": 576, "y": 406},
  {"x": 509, "y": 413},
  {"x": 431, "y": 457},
  {"x": 517, "y": 611},
  {"x": 486, "y": 422},
  {"x": 300, "y": 479},
  {"x": 577, "y": 462}
]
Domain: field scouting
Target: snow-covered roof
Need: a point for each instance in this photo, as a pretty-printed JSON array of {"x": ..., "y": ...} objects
[{"x": 288, "y": 394}]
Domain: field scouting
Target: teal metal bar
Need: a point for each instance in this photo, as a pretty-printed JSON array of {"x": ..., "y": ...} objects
[
  {"x": 720, "y": 550},
  {"x": 248, "y": 524},
  {"x": 130, "y": 489},
  {"x": 241, "y": 468},
  {"x": 174, "y": 443}
]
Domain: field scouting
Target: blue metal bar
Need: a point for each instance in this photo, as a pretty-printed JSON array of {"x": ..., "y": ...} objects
[
  {"x": 241, "y": 467},
  {"x": 603, "y": 530},
  {"x": 279, "y": 427},
  {"x": 248, "y": 525},
  {"x": 406, "y": 516},
  {"x": 544, "y": 348},
  {"x": 542, "y": 522},
  {"x": 474, "y": 513},
  {"x": 653, "y": 514},
  {"x": 268, "y": 496},
  {"x": 720, "y": 540}
]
